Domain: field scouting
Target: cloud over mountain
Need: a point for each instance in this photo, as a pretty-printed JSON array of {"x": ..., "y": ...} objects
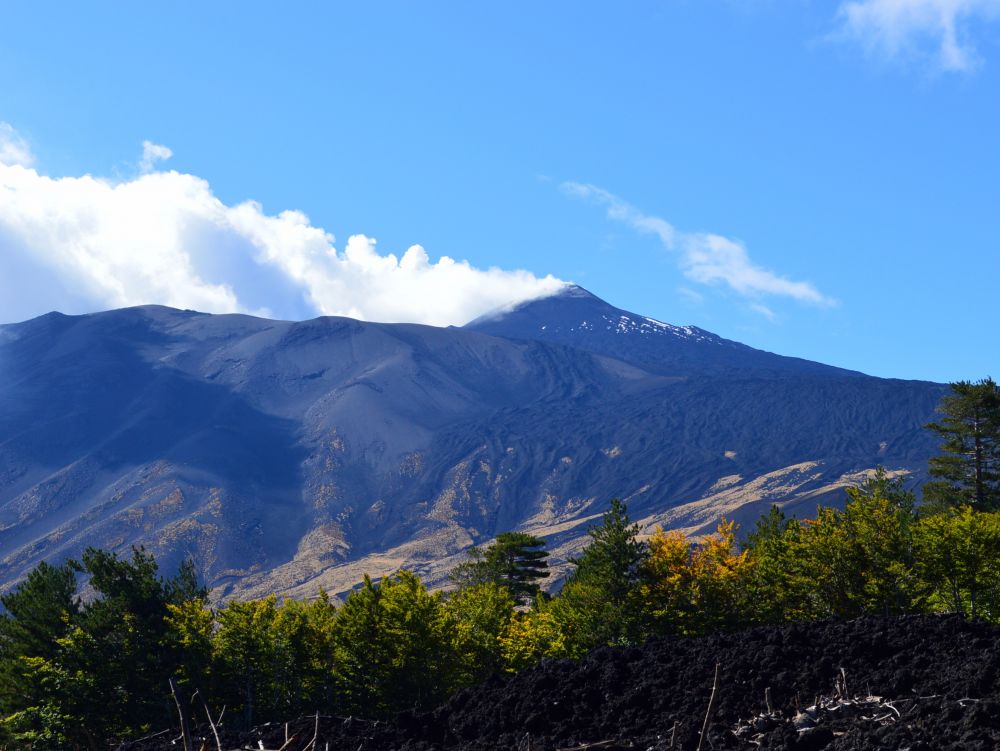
[
  {"x": 80, "y": 243},
  {"x": 704, "y": 257}
]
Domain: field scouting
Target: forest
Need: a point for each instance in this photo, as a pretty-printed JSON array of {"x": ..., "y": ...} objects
[{"x": 94, "y": 651}]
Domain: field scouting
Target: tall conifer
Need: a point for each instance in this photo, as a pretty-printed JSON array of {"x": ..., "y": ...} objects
[{"x": 968, "y": 470}]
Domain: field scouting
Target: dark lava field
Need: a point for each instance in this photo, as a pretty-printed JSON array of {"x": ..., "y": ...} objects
[{"x": 923, "y": 683}]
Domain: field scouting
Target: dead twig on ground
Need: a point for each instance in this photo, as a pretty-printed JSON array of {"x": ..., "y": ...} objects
[{"x": 711, "y": 706}]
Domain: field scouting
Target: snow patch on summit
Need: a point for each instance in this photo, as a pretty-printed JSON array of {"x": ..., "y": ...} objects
[{"x": 626, "y": 324}]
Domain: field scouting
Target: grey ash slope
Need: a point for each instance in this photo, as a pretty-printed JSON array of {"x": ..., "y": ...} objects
[{"x": 291, "y": 455}]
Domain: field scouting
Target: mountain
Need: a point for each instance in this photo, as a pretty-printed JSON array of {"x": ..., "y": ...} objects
[
  {"x": 288, "y": 455},
  {"x": 577, "y": 318}
]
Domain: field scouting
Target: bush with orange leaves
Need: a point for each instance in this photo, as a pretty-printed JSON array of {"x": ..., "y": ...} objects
[{"x": 695, "y": 586}]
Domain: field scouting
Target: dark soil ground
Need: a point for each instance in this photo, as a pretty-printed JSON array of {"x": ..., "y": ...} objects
[{"x": 923, "y": 683}]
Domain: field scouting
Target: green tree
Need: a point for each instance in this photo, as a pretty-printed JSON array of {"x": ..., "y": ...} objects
[
  {"x": 36, "y": 615},
  {"x": 600, "y": 602},
  {"x": 64, "y": 706},
  {"x": 94, "y": 673},
  {"x": 392, "y": 647},
  {"x": 532, "y": 636},
  {"x": 305, "y": 635},
  {"x": 126, "y": 645},
  {"x": 127, "y": 622},
  {"x": 776, "y": 590},
  {"x": 860, "y": 560},
  {"x": 188, "y": 639},
  {"x": 968, "y": 471},
  {"x": 515, "y": 560},
  {"x": 274, "y": 661},
  {"x": 879, "y": 518},
  {"x": 480, "y": 615},
  {"x": 246, "y": 655},
  {"x": 958, "y": 556}
]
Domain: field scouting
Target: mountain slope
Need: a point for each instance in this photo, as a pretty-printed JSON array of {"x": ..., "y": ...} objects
[{"x": 282, "y": 455}]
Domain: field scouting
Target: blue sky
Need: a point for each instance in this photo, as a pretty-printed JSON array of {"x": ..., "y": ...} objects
[{"x": 817, "y": 179}]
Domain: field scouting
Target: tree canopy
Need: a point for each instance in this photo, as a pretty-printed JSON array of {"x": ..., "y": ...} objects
[
  {"x": 515, "y": 560},
  {"x": 599, "y": 603},
  {"x": 968, "y": 470}
]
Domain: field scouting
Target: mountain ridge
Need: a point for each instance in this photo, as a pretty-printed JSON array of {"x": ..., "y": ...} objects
[{"x": 286, "y": 455}]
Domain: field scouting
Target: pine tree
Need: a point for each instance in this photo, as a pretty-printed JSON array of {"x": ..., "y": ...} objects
[
  {"x": 601, "y": 602},
  {"x": 969, "y": 468},
  {"x": 35, "y": 616},
  {"x": 516, "y": 560}
]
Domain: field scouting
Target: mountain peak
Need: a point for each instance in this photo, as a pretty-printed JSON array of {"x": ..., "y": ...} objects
[
  {"x": 575, "y": 290},
  {"x": 577, "y": 313},
  {"x": 578, "y": 318}
]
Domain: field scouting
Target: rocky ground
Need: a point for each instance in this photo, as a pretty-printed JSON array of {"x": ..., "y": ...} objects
[{"x": 923, "y": 683}]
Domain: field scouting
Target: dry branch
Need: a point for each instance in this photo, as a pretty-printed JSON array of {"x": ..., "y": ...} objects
[
  {"x": 711, "y": 706},
  {"x": 182, "y": 711}
]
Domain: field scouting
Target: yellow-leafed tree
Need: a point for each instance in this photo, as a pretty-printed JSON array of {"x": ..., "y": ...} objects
[
  {"x": 695, "y": 587},
  {"x": 531, "y": 637}
]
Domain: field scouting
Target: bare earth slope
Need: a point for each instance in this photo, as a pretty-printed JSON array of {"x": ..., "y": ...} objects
[{"x": 285, "y": 456}]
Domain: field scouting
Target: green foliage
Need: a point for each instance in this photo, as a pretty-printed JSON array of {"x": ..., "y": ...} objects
[
  {"x": 245, "y": 651},
  {"x": 38, "y": 612},
  {"x": 126, "y": 631},
  {"x": 188, "y": 640},
  {"x": 66, "y": 707},
  {"x": 306, "y": 631},
  {"x": 531, "y": 637},
  {"x": 515, "y": 560},
  {"x": 89, "y": 674},
  {"x": 840, "y": 564},
  {"x": 392, "y": 647},
  {"x": 968, "y": 471},
  {"x": 958, "y": 556},
  {"x": 776, "y": 588},
  {"x": 879, "y": 518},
  {"x": 600, "y": 602},
  {"x": 271, "y": 661},
  {"x": 480, "y": 616}
]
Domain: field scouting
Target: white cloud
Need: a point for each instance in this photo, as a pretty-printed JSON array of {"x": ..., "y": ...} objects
[
  {"x": 695, "y": 297},
  {"x": 13, "y": 148},
  {"x": 897, "y": 28},
  {"x": 763, "y": 310},
  {"x": 82, "y": 243},
  {"x": 153, "y": 153},
  {"x": 703, "y": 257}
]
